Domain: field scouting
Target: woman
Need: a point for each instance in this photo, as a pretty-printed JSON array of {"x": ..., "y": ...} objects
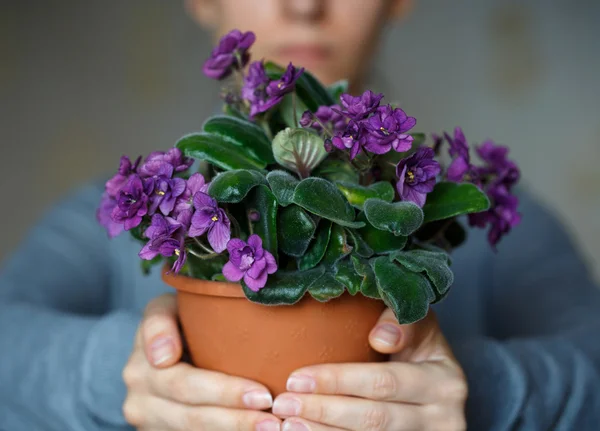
[{"x": 517, "y": 331}]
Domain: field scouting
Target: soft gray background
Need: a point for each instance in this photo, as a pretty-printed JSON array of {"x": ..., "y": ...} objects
[{"x": 82, "y": 82}]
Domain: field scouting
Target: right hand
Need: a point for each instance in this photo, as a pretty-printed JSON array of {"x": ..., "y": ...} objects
[{"x": 164, "y": 394}]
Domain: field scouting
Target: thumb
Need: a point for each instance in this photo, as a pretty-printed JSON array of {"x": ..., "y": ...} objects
[
  {"x": 421, "y": 340},
  {"x": 160, "y": 335}
]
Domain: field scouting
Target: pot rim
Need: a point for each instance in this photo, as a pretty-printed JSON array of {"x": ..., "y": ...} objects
[{"x": 202, "y": 287}]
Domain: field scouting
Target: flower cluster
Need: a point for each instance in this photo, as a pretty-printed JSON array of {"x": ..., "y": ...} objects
[{"x": 496, "y": 177}]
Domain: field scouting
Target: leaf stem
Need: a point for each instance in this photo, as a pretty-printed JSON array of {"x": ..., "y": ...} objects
[
  {"x": 202, "y": 246},
  {"x": 294, "y": 109}
]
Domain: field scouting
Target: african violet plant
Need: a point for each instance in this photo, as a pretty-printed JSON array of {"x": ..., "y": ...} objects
[{"x": 298, "y": 194}]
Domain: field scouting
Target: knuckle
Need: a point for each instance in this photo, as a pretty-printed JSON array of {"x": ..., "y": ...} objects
[
  {"x": 131, "y": 375},
  {"x": 132, "y": 412},
  {"x": 375, "y": 419},
  {"x": 385, "y": 385}
]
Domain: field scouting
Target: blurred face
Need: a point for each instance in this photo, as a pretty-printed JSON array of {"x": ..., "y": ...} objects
[{"x": 334, "y": 39}]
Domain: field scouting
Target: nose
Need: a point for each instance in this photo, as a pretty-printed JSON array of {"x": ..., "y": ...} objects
[{"x": 304, "y": 9}]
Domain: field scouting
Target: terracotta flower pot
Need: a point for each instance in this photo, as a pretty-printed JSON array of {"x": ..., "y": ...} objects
[{"x": 228, "y": 333}]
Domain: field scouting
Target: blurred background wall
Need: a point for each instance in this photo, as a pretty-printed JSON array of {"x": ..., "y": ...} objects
[{"x": 84, "y": 81}]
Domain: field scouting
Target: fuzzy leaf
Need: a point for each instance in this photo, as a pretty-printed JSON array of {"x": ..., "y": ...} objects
[
  {"x": 360, "y": 246},
  {"x": 317, "y": 248},
  {"x": 312, "y": 92},
  {"x": 368, "y": 285},
  {"x": 326, "y": 288},
  {"x": 433, "y": 264},
  {"x": 357, "y": 194},
  {"x": 400, "y": 218},
  {"x": 262, "y": 200},
  {"x": 347, "y": 275},
  {"x": 233, "y": 186},
  {"x": 243, "y": 134},
  {"x": 380, "y": 241},
  {"x": 407, "y": 293},
  {"x": 283, "y": 185},
  {"x": 322, "y": 198},
  {"x": 337, "y": 170},
  {"x": 218, "y": 151},
  {"x": 338, "y": 247},
  {"x": 451, "y": 199},
  {"x": 284, "y": 288},
  {"x": 286, "y": 108},
  {"x": 337, "y": 89},
  {"x": 299, "y": 150},
  {"x": 296, "y": 230}
]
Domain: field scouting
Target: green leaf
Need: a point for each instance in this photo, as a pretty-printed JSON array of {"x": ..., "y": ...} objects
[
  {"x": 407, "y": 293},
  {"x": 447, "y": 234},
  {"x": 357, "y": 194},
  {"x": 243, "y": 134},
  {"x": 451, "y": 199},
  {"x": 337, "y": 89},
  {"x": 233, "y": 186},
  {"x": 337, "y": 170},
  {"x": 322, "y": 198},
  {"x": 204, "y": 269},
  {"x": 218, "y": 151},
  {"x": 433, "y": 264},
  {"x": 380, "y": 241},
  {"x": 338, "y": 247},
  {"x": 286, "y": 108},
  {"x": 312, "y": 92},
  {"x": 299, "y": 150},
  {"x": 284, "y": 288},
  {"x": 283, "y": 185},
  {"x": 262, "y": 200},
  {"x": 360, "y": 246},
  {"x": 368, "y": 285},
  {"x": 317, "y": 248},
  {"x": 347, "y": 275},
  {"x": 326, "y": 288},
  {"x": 400, "y": 218},
  {"x": 233, "y": 112},
  {"x": 296, "y": 230}
]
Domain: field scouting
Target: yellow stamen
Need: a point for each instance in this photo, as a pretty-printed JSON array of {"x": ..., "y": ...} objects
[
  {"x": 177, "y": 252},
  {"x": 410, "y": 175},
  {"x": 280, "y": 85},
  {"x": 160, "y": 193},
  {"x": 215, "y": 218}
]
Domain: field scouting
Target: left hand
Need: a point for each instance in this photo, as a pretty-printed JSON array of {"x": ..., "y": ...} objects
[{"x": 421, "y": 388}]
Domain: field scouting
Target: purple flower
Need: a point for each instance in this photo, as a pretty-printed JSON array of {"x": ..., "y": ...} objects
[
  {"x": 497, "y": 163},
  {"x": 131, "y": 204},
  {"x": 230, "y": 54},
  {"x": 417, "y": 175},
  {"x": 387, "y": 128},
  {"x": 502, "y": 215},
  {"x": 212, "y": 219},
  {"x": 329, "y": 116},
  {"x": 254, "y": 90},
  {"x": 352, "y": 139},
  {"x": 167, "y": 238},
  {"x": 194, "y": 184},
  {"x": 126, "y": 168},
  {"x": 250, "y": 262},
  {"x": 459, "y": 151},
  {"x": 286, "y": 83},
  {"x": 160, "y": 163},
  {"x": 104, "y": 215},
  {"x": 164, "y": 194},
  {"x": 360, "y": 107}
]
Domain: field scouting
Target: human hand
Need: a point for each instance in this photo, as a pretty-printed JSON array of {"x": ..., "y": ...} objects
[
  {"x": 421, "y": 388},
  {"x": 164, "y": 394}
]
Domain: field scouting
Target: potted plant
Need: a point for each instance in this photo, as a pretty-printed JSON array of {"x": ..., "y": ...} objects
[{"x": 309, "y": 211}]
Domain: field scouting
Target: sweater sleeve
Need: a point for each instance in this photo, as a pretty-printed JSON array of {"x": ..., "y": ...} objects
[
  {"x": 62, "y": 347},
  {"x": 540, "y": 367}
]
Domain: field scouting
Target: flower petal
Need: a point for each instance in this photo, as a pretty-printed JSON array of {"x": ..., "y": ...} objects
[
  {"x": 232, "y": 272},
  {"x": 255, "y": 284},
  {"x": 219, "y": 235}
]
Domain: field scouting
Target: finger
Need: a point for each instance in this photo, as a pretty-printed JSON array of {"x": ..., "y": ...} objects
[
  {"x": 186, "y": 384},
  {"x": 161, "y": 339},
  {"x": 388, "y": 381},
  {"x": 164, "y": 414},
  {"x": 349, "y": 413},
  {"x": 416, "y": 342},
  {"x": 297, "y": 424}
]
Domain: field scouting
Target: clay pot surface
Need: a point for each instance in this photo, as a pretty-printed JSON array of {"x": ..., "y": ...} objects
[{"x": 226, "y": 332}]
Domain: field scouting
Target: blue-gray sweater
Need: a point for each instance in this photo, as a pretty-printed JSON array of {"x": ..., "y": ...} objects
[{"x": 525, "y": 325}]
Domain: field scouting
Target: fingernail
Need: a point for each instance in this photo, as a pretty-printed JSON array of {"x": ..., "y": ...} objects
[
  {"x": 387, "y": 334},
  {"x": 161, "y": 350},
  {"x": 299, "y": 383},
  {"x": 286, "y": 406},
  {"x": 268, "y": 425},
  {"x": 259, "y": 400},
  {"x": 294, "y": 426}
]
